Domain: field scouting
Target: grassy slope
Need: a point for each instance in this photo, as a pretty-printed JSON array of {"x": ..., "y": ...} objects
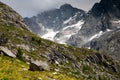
[{"x": 14, "y": 69}]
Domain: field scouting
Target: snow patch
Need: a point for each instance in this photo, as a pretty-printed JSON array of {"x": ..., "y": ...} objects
[
  {"x": 77, "y": 25},
  {"x": 63, "y": 39},
  {"x": 96, "y": 35},
  {"x": 116, "y": 21},
  {"x": 71, "y": 18},
  {"x": 68, "y": 31},
  {"x": 50, "y": 34},
  {"x": 68, "y": 20},
  {"x": 99, "y": 34},
  {"x": 108, "y": 30}
]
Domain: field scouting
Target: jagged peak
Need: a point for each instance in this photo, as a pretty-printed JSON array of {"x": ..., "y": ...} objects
[
  {"x": 70, "y": 7},
  {"x": 66, "y": 6}
]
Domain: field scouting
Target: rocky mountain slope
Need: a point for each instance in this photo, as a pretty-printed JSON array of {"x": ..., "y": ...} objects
[
  {"x": 109, "y": 12},
  {"x": 102, "y": 18},
  {"x": 57, "y": 25},
  {"x": 25, "y": 56}
]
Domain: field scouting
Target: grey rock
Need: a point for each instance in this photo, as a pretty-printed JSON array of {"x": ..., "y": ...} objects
[
  {"x": 7, "y": 52},
  {"x": 34, "y": 67}
]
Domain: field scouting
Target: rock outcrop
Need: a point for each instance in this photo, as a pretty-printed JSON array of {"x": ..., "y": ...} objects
[{"x": 7, "y": 52}]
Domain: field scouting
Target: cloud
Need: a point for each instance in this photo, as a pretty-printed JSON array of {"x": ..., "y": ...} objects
[{"x": 32, "y": 7}]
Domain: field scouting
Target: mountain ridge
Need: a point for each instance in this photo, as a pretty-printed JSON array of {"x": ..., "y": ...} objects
[{"x": 46, "y": 22}]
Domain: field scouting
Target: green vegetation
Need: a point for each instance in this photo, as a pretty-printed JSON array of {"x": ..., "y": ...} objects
[
  {"x": 70, "y": 62},
  {"x": 87, "y": 69},
  {"x": 20, "y": 55},
  {"x": 14, "y": 69}
]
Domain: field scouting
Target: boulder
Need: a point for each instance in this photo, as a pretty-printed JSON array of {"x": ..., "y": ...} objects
[{"x": 7, "y": 52}]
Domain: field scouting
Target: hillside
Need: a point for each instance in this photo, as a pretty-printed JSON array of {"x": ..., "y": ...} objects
[{"x": 25, "y": 56}]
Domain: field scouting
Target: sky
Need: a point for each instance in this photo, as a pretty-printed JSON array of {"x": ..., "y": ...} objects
[{"x": 28, "y": 8}]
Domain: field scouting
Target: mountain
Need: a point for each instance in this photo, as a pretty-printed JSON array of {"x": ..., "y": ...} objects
[
  {"x": 103, "y": 19},
  {"x": 25, "y": 56},
  {"x": 58, "y": 24},
  {"x": 77, "y": 28}
]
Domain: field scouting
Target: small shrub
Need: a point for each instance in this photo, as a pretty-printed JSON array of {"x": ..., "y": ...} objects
[{"x": 20, "y": 55}]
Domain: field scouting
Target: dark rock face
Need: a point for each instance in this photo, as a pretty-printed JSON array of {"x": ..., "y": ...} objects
[
  {"x": 111, "y": 7},
  {"x": 103, "y": 16},
  {"x": 34, "y": 67},
  {"x": 3, "y": 39},
  {"x": 108, "y": 43},
  {"x": 99, "y": 18}
]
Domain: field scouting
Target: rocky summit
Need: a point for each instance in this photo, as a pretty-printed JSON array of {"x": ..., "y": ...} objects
[{"x": 26, "y": 56}]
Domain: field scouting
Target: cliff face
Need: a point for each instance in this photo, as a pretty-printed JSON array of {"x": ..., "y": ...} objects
[
  {"x": 27, "y": 53},
  {"x": 111, "y": 7}
]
